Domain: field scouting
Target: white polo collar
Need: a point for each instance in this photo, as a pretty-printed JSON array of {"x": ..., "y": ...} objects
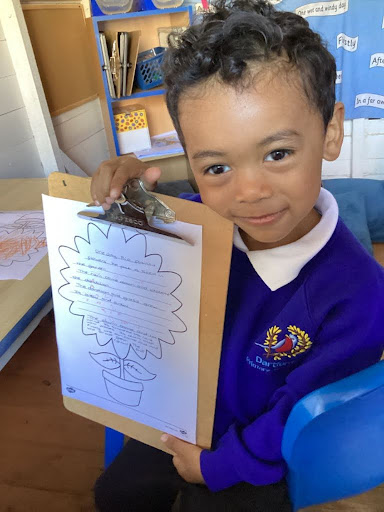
[{"x": 281, "y": 265}]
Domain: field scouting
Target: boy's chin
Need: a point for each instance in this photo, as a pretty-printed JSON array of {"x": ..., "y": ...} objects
[
  {"x": 255, "y": 240},
  {"x": 252, "y": 240}
]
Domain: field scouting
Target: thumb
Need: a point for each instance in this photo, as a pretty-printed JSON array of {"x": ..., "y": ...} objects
[
  {"x": 150, "y": 177},
  {"x": 172, "y": 443}
]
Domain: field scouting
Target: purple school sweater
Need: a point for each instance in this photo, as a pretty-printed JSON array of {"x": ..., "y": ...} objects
[{"x": 279, "y": 346}]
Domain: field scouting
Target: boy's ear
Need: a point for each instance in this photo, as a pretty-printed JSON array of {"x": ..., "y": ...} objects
[{"x": 335, "y": 134}]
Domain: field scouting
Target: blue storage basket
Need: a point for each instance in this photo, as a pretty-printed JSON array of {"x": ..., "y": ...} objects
[{"x": 148, "y": 70}]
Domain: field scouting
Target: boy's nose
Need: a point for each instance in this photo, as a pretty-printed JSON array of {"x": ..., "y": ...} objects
[{"x": 252, "y": 186}]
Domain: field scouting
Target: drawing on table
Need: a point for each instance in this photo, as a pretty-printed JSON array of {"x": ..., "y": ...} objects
[
  {"x": 125, "y": 300},
  {"x": 21, "y": 236},
  {"x": 22, "y": 243}
]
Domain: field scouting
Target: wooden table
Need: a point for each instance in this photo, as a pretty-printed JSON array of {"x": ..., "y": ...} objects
[{"x": 22, "y": 303}]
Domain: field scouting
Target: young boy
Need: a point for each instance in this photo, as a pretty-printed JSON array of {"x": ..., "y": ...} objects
[{"x": 251, "y": 92}]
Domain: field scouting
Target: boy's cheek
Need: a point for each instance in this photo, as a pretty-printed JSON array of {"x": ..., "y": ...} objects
[
  {"x": 216, "y": 197},
  {"x": 217, "y": 202}
]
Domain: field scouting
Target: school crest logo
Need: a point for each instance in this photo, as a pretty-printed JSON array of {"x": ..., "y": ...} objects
[{"x": 294, "y": 343}]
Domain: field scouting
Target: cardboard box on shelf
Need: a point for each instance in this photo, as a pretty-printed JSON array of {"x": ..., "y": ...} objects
[{"x": 132, "y": 129}]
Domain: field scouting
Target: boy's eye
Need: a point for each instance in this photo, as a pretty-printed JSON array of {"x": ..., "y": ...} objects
[
  {"x": 278, "y": 154},
  {"x": 217, "y": 169}
]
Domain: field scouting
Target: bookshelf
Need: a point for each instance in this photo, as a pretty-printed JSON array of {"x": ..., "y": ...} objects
[{"x": 153, "y": 100}]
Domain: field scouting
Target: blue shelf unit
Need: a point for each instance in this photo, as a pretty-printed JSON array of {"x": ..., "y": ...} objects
[{"x": 96, "y": 21}]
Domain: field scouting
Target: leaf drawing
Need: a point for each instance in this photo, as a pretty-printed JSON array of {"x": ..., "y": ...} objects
[
  {"x": 106, "y": 360},
  {"x": 137, "y": 371}
]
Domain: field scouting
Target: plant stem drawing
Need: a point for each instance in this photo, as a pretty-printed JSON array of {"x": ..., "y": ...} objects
[{"x": 126, "y": 300}]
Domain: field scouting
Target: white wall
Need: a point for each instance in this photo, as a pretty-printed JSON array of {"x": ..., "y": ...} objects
[
  {"x": 19, "y": 157},
  {"x": 341, "y": 168},
  {"x": 374, "y": 144},
  {"x": 80, "y": 132},
  {"x": 81, "y": 135},
  {"x": 362, "y": 154}
]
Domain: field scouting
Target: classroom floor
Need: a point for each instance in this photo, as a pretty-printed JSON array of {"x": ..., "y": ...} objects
[{"x": 49, "y": 457}]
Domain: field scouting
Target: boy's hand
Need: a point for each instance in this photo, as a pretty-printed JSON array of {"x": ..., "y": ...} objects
[
  {"x": 111, "y": 176},
  {"x": 186, "y": 459}
]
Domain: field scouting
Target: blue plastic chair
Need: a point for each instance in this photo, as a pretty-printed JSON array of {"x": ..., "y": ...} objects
[
  {"x": 333, "y": 441},
  {"x": 114, "y": 442}
]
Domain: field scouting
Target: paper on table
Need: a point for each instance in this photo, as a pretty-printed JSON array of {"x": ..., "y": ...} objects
[
  {"x": 127, "y": 317},
  {"x": 22, "y": 243},
  {"x": 163, "y": 144}
]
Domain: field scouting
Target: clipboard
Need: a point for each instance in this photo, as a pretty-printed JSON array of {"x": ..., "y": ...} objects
[
  {"x": 106, "y": 65},
  {"x": 115, "y": 64},
  {"x": 119, "y": 50},
  {"x": 124, "y": 45},
  {"x": 217, "y": 239},
  {"x": 133, "y": 51}
]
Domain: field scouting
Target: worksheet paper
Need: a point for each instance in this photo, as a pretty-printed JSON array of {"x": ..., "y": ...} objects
[
  {"x": 127, "y": 307},
  {"x": 22, "y": 243}
]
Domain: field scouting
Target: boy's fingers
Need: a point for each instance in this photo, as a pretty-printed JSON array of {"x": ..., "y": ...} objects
[
  {"x": 173, "y": 443},
  {"x": 95, "y": 178},
  {"x": 101, "y": 181},
  {"x": 120, "y": 178},
  {"x": 150, "y": 177},
  {"x": 107, "y": 203},
  {"x": 124, "y": 166},
  {"x": 111, "y": 176},
  {"x": 170, "y": 442}
]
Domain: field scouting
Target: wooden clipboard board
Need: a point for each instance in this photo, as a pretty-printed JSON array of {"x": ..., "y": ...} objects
[
  {"x": 112, "y": 38},
  {"x": 217, "y": 251}
]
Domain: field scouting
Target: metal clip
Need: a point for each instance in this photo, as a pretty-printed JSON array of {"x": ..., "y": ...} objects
[
  {"x": 137, "y": 196},
  {"x": 135, "y": 208}
]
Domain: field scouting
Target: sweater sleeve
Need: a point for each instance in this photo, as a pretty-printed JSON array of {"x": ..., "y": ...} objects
[{"x": 349, "y": 337}]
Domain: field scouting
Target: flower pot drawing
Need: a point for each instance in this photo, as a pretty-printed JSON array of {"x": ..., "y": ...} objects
[{"x": 124, "y": 391}]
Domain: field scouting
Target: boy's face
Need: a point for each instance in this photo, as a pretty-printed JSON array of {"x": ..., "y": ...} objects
[{"x": 256, "y": 155}]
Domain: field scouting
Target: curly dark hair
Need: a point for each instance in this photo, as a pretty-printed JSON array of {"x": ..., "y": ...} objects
[{"x": 235, "y": 36}]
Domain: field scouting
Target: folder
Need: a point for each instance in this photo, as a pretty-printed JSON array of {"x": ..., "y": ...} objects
[
  {"x": 124, "y": 42},
  {"x": 106, "y": 65},
  {"x": 133, "y": 51},
  {"x": 217, "y": 238},
  {"x": 119, "y": 51},
  {"x": 115, "y": 64}
]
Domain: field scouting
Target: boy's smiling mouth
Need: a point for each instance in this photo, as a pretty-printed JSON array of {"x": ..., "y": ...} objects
[{"x": 269, "y": 218}]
